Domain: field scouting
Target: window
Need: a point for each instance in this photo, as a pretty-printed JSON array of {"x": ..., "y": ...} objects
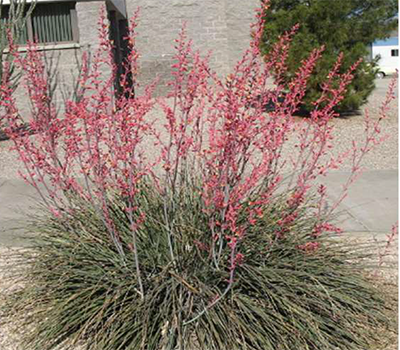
[
  {"x": 395, "y": 53},
  {"x": 49, "y": 23}
]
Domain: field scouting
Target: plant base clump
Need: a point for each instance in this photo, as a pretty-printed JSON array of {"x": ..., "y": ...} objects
[{"x": 287, "y": 294}]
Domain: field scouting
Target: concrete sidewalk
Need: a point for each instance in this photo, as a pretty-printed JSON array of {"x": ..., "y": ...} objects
[
  {"x": 372, "y": 201},
  {"x": 16, "y": 202},
  {"x": 371, "y": 205}
]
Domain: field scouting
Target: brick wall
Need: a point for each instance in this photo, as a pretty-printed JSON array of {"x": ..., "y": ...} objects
[{"x": 222, "y": 26}]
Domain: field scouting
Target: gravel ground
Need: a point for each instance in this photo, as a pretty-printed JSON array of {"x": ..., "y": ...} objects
[
  {"x": 8, "y": 340},
  {"x": 385, "y": 155}
]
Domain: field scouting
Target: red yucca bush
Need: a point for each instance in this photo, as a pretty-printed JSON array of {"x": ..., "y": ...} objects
[{"x": 178, "y": 222}]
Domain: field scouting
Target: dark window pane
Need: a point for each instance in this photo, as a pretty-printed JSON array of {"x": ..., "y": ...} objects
[
  {"x": 51, "y": 22},
  {"x": 395, "y": 53}
]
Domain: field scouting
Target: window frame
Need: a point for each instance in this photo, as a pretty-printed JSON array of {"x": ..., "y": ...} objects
[{"x": 74, "y": 27}]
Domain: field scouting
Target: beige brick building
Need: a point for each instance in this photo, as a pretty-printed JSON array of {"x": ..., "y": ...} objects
[{"x": 65, "y": 28}]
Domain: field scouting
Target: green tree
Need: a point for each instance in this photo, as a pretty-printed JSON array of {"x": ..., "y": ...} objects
[{"x": 347, "y": 26}]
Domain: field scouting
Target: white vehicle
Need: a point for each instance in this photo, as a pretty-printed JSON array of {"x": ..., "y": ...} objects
[{"x": 388, "y": 53}]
